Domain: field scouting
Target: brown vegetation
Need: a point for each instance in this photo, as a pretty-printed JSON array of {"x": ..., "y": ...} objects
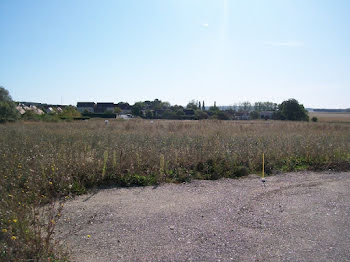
[
  {"x": 330, "y": 117},
  {"x": 41, "y": 162}
]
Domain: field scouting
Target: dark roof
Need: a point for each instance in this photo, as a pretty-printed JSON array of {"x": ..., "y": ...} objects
[
  {"x": 85, "y": 104},
  {"x": 105, "y": 104},
  {"x": 123, "y": 106}
]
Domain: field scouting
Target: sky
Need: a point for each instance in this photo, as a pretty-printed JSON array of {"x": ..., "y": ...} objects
[{"x": 228, "y": 51}]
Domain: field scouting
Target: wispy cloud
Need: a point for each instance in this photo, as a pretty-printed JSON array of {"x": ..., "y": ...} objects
[
  {"x": 285, "y": 44},
  {"x": 205, "y": 25}
]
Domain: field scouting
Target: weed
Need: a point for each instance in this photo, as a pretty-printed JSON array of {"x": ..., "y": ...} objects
[{"x": 42, "y": 162}]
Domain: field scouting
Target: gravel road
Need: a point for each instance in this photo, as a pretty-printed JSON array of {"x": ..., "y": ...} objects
[{"x": 302, "y": 216}]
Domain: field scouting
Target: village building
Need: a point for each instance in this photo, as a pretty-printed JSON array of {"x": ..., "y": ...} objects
[
  {"x": 266, "y": 114},
  {"x": 104, "y": 108},
  {"x": 86, "y": 107},
  {"x": 242, "y": 115},
  {"x": 124, "y": 107}
]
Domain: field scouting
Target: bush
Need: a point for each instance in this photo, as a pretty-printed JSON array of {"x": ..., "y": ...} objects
[
  {"x": 8, "y": 111},
  {"x": 50, "y": 118},
  {"x": 201, "y": 115},
  {"x": 292, "y": 110},
  {"x": 240, "y": 171},
  {"x": 314, "y": 119},
  {"x": 69, "y": 112},
  {"x": 95, "y": 115},
  {"x": 254, "y": 115},
  {"x": 30, "y": 115},
  {"x": 222, "y": 115}
]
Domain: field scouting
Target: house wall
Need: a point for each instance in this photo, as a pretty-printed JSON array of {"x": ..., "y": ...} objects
[
  {"x": 100, "y": 109},
  {"x": 266, "y": 114},
  {"x": 83, "y": 109},
  {"x": 125, "y": 112}
]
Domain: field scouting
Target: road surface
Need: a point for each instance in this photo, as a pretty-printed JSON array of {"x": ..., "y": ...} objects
[{"x": 302, "y": 216}]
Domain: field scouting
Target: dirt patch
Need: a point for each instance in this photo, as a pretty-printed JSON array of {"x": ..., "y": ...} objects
[{"x": 295, "y": 217}]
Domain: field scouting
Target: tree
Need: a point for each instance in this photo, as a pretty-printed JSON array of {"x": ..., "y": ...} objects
[
  {"x": 246, "y": 106},
  {"x": 231, "y": 113},
  {"x": 165, "y": 105},
  {"x": 269, "y": 106},
  {"x": 30, "y": 115},
  {"x": 292, "y": 110},
  {"x": 149, "y": 114},
  {"x": 156, "y": 104},
  {"x": 123, "y": 106},
  {"x": 265, "y": 106},
  {"x": 222, "y": 115},
  {"x": 214, "y": 109},
  {"x": 179, "y": 113},
  {"x": 258, "y": 107},
  {"x": 168, "y": 114},
  {"x": 70, "y": 112},
  {"x": 8, "y": 111},
  {"x": 192, "y": 105},
  {"x": 254, "y": 115},
  {"x": 137, "y": 109},
  {"x": 203, "y": 106},
  {"x": 200, "y": 114},
  {"x": 4, "y": 95}
]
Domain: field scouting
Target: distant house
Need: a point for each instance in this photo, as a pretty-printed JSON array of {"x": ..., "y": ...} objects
[
  {"x": 189, "y": 112},
  {"x": 124, "y": 107},
  {"x": 104, "y": 107},
  {"x": 20, "y": 109},
  {"x": 266, "y": 114},
  {"x": 53, "y": 110},
  {"x": 86, "y": 106},
  {"x": 242, "y": 116},
  {"x": 50, "y": 110},
  {"x": 37, "y": 111}
]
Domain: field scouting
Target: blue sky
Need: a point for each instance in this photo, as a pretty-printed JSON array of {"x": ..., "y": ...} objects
[{"x": 227, "y": 51}]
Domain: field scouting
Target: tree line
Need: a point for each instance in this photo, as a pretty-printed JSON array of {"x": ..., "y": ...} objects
[
  {"x": 196, "y": 110},
  {"x": 157, "y": 109},
  {"x": 9, "y": 111}
]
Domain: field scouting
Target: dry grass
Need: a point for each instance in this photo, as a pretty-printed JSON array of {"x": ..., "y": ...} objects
[
  {"x": 331, "y": 117},
  {"x": 41, "y": 162}
]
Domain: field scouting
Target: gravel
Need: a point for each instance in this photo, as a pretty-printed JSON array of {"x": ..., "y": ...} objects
[{"x": 302, "y": 216}]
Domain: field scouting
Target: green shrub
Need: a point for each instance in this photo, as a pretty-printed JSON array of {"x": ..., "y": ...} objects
[
  {"x": 240, "y": 171},
  {"x": 8, "y": 111},
  {"x": 292, "y": 110}
]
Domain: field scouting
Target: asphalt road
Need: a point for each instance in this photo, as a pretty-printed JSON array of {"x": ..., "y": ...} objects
[{"x": 296, "y": 217}]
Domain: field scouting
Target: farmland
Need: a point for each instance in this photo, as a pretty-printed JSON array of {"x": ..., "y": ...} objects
[
  {"x": 331, "y": 117},
  {"x": 41, "y": 162}
]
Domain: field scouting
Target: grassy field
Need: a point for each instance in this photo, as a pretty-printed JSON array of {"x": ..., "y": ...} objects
[
  {"x": 41, "y": 162},
  {"x": 331, "y": 117}
]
